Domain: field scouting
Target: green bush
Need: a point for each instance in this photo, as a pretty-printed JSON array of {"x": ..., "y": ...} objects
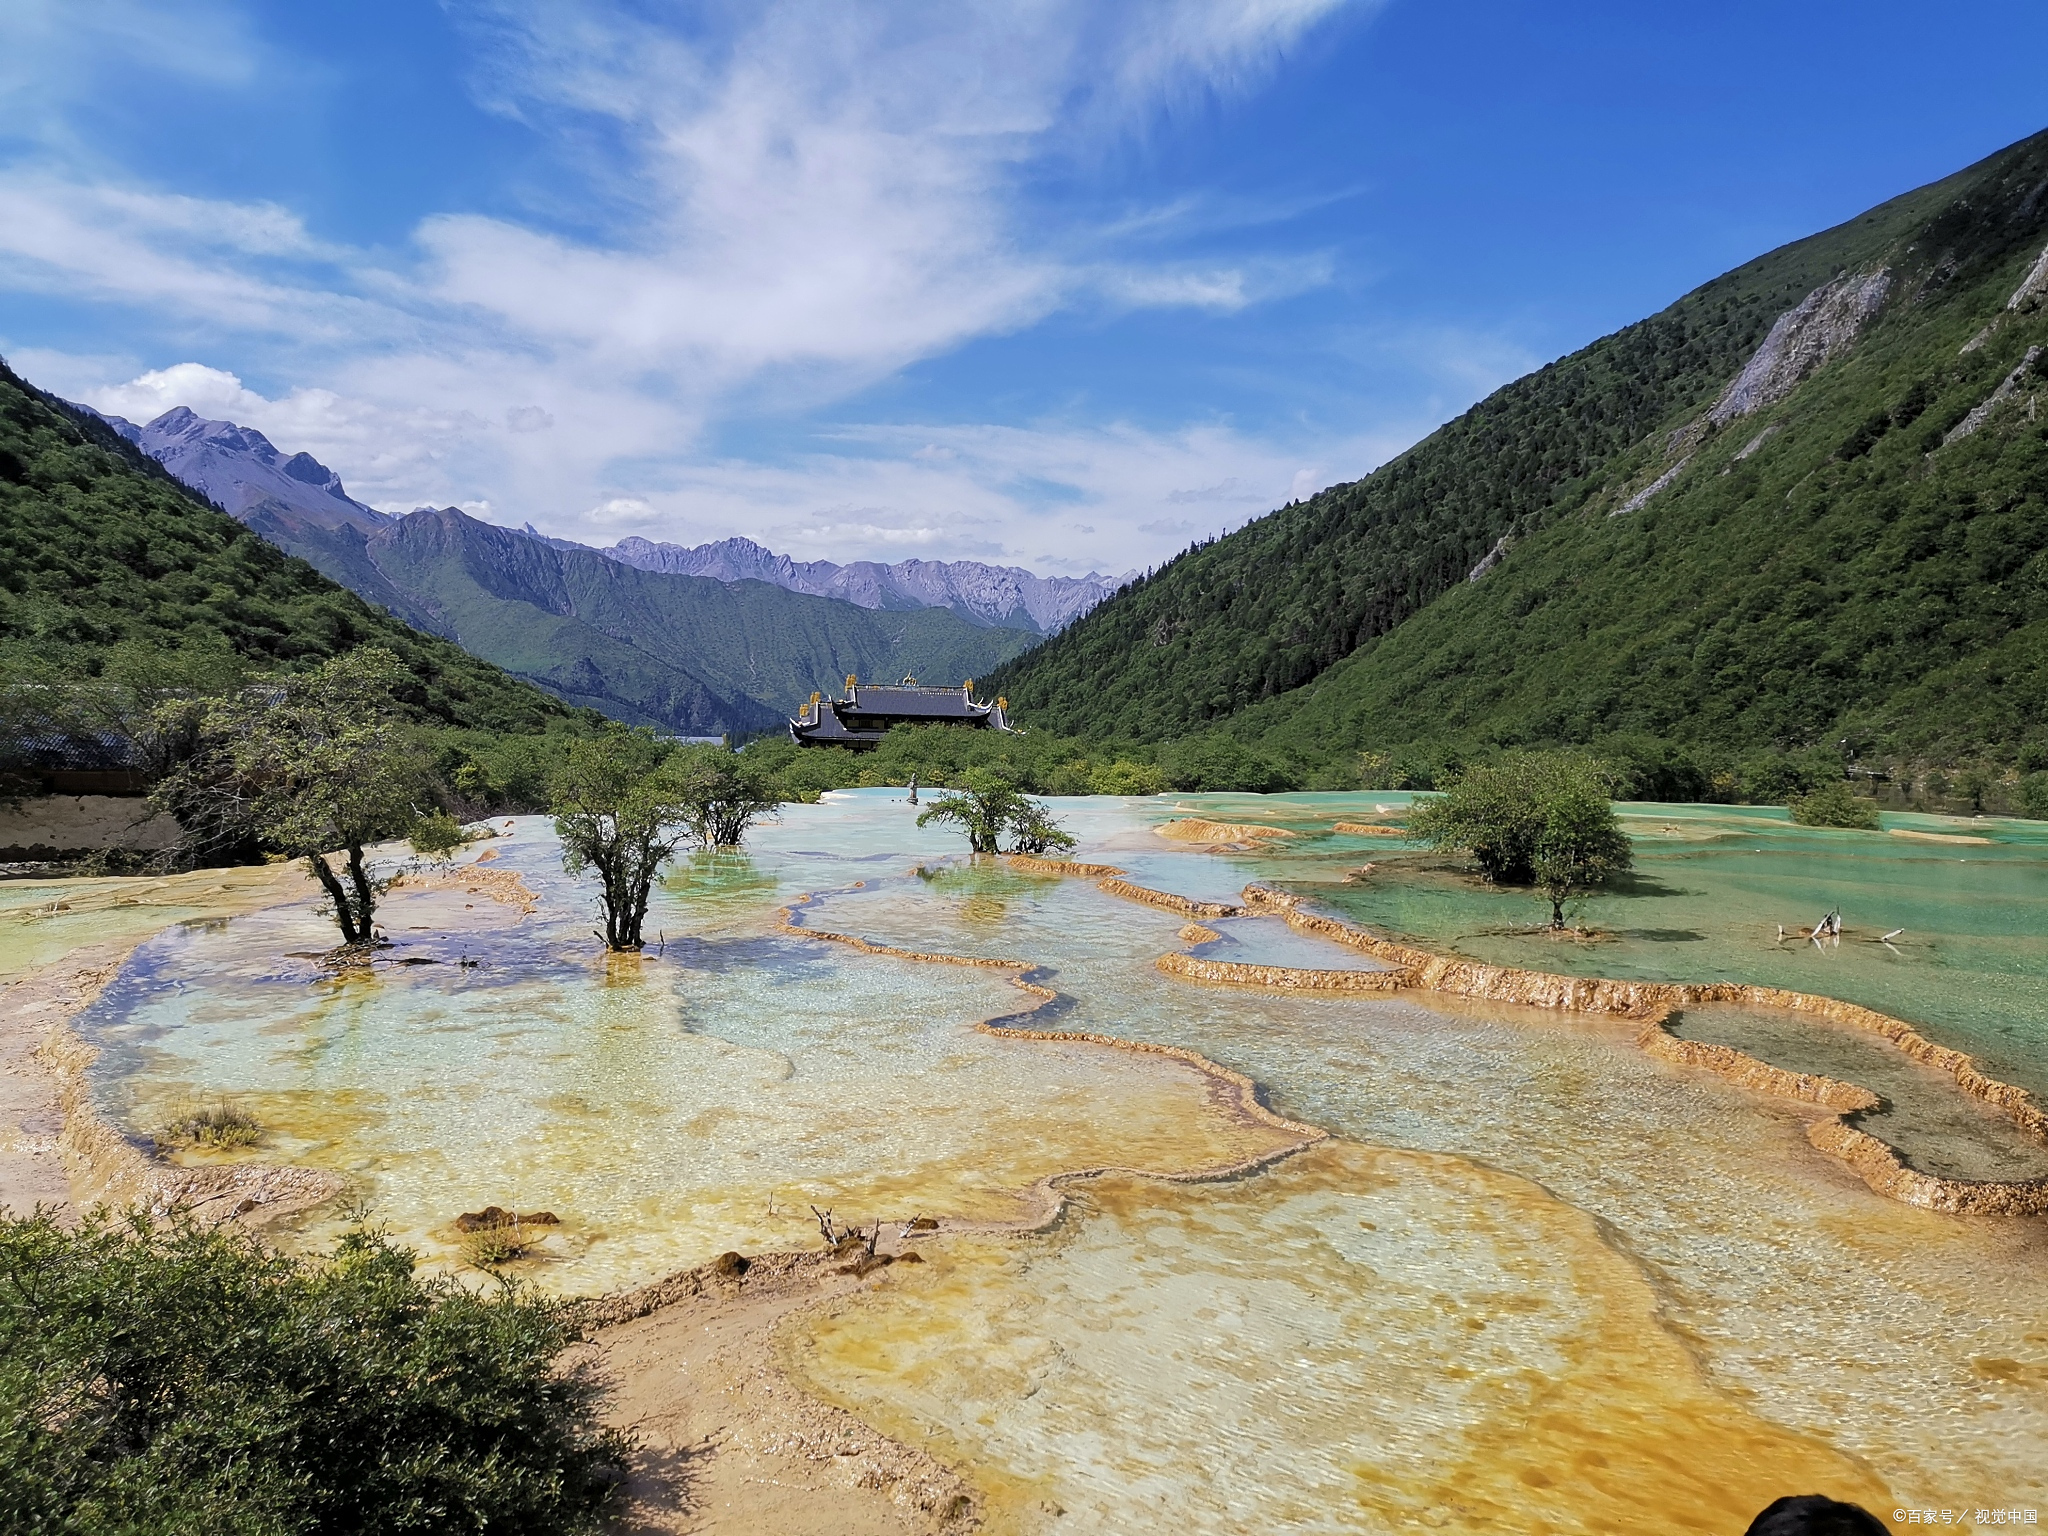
[
  {"x": 1774, "y": 778},
  {"x": 170, "y": 1380},
  {"x": 1835, "y": 805},
  {"x": 219, "y": 1125},
  {"x": 1213, "y": 764},
  {"x": 2034, "y": 796},
  {"x": 1124, "y": 777},
  {"x": 1539, "y": 818}
]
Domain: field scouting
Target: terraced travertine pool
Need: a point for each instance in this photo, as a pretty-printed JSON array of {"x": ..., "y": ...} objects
[{"x": 1534, "y": 1280}]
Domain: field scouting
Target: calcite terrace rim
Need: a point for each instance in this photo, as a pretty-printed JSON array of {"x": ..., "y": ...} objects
[
  {"x": 1048, "y": 1194},
  {"x": 1654, "y": 1005}
]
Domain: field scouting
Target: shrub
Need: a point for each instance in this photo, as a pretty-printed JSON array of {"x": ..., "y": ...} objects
[
  {"x": 1541, "y": 818},
  {"x": 1124, "y": 777},
  {"x": 219, "y": 1124},
  {"x": 488, "y": 1247},
  {"x": 2034, "y": 796},
  {"x": 1835, "y": 805},
  {"x": 1211, "y": 764},
  {"x": 436, "y": 836},
  {"x": 988, "y": 808},
  {"x": 1773, "y": 778},
  {"x": 169, "y": 1378}
]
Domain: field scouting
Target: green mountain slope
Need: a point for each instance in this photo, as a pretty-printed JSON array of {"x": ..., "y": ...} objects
[
  {"x": 1809, "y": 589},
  {"x": 682, "y": 653},
  {"x": 1860, "y": 562},
  {"x": 100, "y": 546}
]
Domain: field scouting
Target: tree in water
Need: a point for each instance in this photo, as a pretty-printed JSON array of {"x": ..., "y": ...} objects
[
  {"x": 987, "y": 807},
  {"x": 724, "y": 792},
  {"x": 315, "y": 765},
  {"x": 620, "y": 811},
  {"x": 1533, "y": 818}
]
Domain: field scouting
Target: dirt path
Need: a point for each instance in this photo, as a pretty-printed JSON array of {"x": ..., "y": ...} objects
[{"x": 731, "y": 1445}]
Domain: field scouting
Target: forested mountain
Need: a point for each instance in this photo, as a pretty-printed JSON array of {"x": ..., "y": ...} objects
[
  {"x": 1807, "y": 501},
  {"x": 99, "y": 545},
  {"x": 681, "y": 653}
]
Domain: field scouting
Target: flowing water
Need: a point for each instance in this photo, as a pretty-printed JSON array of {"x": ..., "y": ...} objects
[{"x": 1537, "y": 1281}]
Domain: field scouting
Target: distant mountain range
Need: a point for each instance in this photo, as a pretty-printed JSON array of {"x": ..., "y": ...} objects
[
  {"x": 104, "y": 551},
  {"x": 726, "y": 637},
  {"x": 240, "y": 470},
  {"x": 981, "y": 594}
]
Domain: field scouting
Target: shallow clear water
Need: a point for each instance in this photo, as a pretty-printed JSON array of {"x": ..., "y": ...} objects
[
  {"x": 664, "y": 1108},
  {"x": 1940, "y": 1131},
  {"x": 1269, "y": 941},
  {"x": 43, "y": 920},
  {"x": 1712, "y": 886},
  {"x": 1541, "y": 1282},
  {"x": 1826, "y": 1310}
]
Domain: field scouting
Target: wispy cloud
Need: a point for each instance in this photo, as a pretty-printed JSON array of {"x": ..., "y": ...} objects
[{"x": 778, "y": 205}]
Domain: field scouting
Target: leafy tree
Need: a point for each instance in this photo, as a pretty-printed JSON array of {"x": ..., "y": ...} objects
[
  {"x": 170, "y": 1378},
  {"x": 988, "y": 807},
  {"x": 436, "y": 837},
  {"x": 1581, "y": 846},
  {"x": 309, "y": 764},
  {"x": 724, "y": 791},
  {"x": 1834, "y": 805},
  {"x": 621, "y": 812},
  {"x": 1124, "y": 777},
  {"x": 1541, "y": 818},
  {"x": 2034, "y": 796},
  {"x": 1213, "y": 763}
]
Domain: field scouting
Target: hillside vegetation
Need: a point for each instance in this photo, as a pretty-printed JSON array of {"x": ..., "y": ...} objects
[
  {"x": 688, "y": 654},
  {"x": 1821, "y": 560},
  {"x": 103, "y": 553}
]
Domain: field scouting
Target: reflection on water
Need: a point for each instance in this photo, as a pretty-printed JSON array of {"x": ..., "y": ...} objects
[{"x": 1545, "y": 1282}]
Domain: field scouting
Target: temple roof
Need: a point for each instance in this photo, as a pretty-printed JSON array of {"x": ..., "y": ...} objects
[{"x": 864, "y": 715}]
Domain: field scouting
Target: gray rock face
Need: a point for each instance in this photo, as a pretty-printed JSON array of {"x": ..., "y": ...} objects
[
  {"x": 981, "y": 594},
  {"x": 1820, "y": 326},
  {"x": 240, "y": 470},
  {"x": 2033, "y": 286},
  {"x": 1982, "y": 413}
]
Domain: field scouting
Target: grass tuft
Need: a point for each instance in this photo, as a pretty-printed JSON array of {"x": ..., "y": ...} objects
[{"x": 219, "y": 1125}]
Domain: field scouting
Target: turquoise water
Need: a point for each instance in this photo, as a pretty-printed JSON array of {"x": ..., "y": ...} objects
[
  {"x": 1712, "y": 886},
  {"x": 1539, "y": 1280}
]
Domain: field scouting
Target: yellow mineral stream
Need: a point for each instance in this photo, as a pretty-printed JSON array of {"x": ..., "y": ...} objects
[{"x": 1359, "y": 1340}]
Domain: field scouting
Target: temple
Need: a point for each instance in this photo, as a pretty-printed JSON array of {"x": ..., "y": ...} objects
[{"x": 863, "y": 717}]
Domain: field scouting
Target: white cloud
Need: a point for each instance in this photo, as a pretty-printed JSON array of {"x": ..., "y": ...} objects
[
  {"x": 211, "y": 392},
  {"x": 793, "y": 201}
]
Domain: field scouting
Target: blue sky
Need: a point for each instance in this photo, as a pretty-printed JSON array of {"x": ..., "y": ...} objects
[{"x": 1058, "y": 284}]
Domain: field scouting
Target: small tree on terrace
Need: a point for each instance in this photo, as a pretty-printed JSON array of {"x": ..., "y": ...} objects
[
  {"x": 315, "y": 765},
  {"x": 724, "y": 792},
  {"x": 987, "y": 807},
  {"x": 1533, "y": 818},
  {"x": 1580, "y": 847},
  {"x": 620, "y": 811}
]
